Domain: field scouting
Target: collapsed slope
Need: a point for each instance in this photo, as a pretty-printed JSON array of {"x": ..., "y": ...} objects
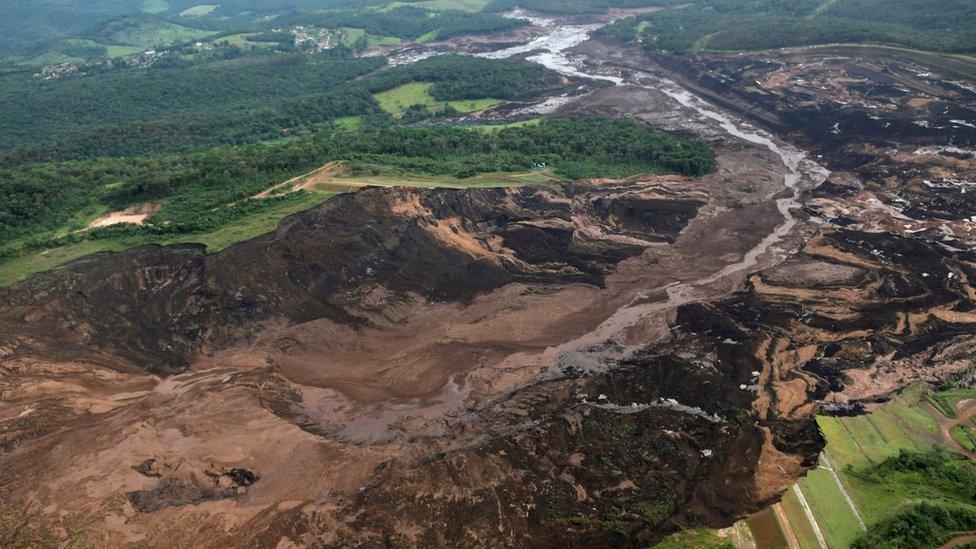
[
  {"x": 391, "y": 359},
  {"x": 518, "y": 367}
]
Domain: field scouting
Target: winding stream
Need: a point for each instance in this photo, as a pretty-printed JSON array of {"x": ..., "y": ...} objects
[{"x": 551, "y": 49}]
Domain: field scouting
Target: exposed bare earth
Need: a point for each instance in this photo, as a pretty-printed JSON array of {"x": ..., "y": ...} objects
[
  {"x": 317, "y": 178},
  {"x": 440, "y": 335},
  {"x": 136, "y": 215},
  {"x": 595, "y": 364}
]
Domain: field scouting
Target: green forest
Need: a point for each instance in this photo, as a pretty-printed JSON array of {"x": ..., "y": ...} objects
[
  {"x": 729, "y": 25},
  {"x": 406, "y": 22},
  {"x": 204, "y": 190},
  {"x": 237, "y": 101},
  {"x": 924, "y": 524}
]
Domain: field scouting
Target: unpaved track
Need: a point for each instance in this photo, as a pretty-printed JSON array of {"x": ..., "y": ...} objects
[
  {"x": 812, "y": 519},
  {"x": 305, "y": 182},
  {"x": 784, "y": 523},
  {"x": 843, "y": 490},
  {"x": 959, "y": 540},
  {"x": 947, "y": 423}
]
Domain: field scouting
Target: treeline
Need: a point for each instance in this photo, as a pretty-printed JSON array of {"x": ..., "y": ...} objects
[
  {"x": 572, "y": 147},
  {"x": 926, "y": 523},
  {"x": 405, "y": 22},
  {"x": 197, "y": 189},
  {"x": 458, "y": 77},
  {"x": 764, "y": 24},
  {"x": 24, "y": 25},
  {"x": 290, "y": 118},
  {"x": 261, "y": 106},
  {"x": 921, "y": 525},
  {"x": 575, "y": 6},
  {"x": 41, "y": 111}
]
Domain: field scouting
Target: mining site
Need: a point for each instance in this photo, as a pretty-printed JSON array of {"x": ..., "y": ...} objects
[{"x": 585, "y": 362}]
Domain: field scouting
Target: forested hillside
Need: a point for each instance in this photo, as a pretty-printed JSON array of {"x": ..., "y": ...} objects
[
  {"x": 26, "y": 25},
  {"x": 248, "y": 99},
  {"x": 405, "y": 22},
  {"x": 46, "y": 206},
  {"x": 764, "y": 24},
  {"x": 576, "y": 6}
]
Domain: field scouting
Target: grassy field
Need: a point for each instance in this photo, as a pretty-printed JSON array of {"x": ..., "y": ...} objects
[
  {"x": 802, "y": 528},
  {"x": 373, "y": 40},
  {"x": 856, "y": 448},
  {"x": 427, "y": 37},
  {"x": 447, "y": 182},
  {"x": 946, "y": 401},
  {"x": 113, "y": 51},
  {"x": 199, "y": 11},
  {"x": 397, "y": 100},
  {"x": 500, "y": 127},
  {"x": 241, "y": 40},
  {"x": 52, "y": 58},
  {"x": 832, "y": 513},
  {"x": 155, "y": 34},
  {"x": 349, "y": 123},
  {"x": 440, "y": 5},
  {"x": 154, "y": 6}
]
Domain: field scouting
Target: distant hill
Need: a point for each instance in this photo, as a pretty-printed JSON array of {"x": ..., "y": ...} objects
[
  {"x": 733, "y": 25},
  {"x": 25, "y": 26}
]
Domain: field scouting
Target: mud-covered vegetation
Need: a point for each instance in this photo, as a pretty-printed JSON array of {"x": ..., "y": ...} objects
[{"x": 764, "y": 24}]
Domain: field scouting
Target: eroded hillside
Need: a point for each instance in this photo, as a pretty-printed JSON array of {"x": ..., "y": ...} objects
[{"x": 599, "y": 362}]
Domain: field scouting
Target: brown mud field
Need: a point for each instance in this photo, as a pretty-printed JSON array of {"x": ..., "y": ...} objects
[{"x": 597, "y": 362}]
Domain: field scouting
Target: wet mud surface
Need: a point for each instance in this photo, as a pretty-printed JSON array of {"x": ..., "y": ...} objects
[{"x": 601, "y": 362}]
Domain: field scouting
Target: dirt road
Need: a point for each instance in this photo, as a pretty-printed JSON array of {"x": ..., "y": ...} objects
[
  {"x": 784, "y": 523},
  {"x": 959, "y": 540},
  {"x": 946, "y": 424}
]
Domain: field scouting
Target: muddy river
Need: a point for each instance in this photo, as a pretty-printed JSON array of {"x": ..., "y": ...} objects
[{"x": 553, "y": 47}]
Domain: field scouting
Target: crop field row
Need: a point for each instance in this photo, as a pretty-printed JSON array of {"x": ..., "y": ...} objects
[
  {"x": 857, "y": 461},
  {"x": 859, "y": 446}
]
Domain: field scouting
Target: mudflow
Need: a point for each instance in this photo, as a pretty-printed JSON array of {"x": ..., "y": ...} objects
[{"x": 599, "y": 362}]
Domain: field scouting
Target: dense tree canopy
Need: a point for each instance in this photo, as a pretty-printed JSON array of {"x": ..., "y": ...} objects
[
  {"x": 238, "y": 101},
  {"x": 763, "y": 24},
  {"x": 196, "y": 188}
]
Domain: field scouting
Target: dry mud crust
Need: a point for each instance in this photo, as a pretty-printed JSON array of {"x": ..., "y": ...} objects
[
  {"x": 864, "y": 315},
  {"x": 606, "y": 472},
  {"x": 380, "y": 337},
  {"x": 153, "y": 308},
  {"x": 828, "y": 100},
  {"x": 898, "y": 129}
]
